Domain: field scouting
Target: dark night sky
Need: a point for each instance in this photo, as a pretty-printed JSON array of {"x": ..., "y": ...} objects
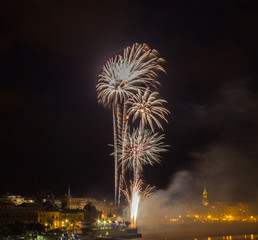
[{"x": 53, "y": 131}]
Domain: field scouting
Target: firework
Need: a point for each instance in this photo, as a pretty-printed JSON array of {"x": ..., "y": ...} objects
[
  {"x": 134, "y": 195},
  {"x": 148, "y": 107},
  {"x": 141, "y": 148},
  {"x": 121, "y": 77}
]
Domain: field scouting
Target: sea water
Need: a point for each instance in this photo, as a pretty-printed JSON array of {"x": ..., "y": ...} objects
[{"x": 167, "y": 236}]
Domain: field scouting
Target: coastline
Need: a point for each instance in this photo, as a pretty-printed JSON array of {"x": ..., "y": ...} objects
[{"x": 198, "y": 230}]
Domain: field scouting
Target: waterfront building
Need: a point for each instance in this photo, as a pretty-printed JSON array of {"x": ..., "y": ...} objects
[
  {"x": 12, "y": 214},
  {"x": 107, "y": 208},
  {"x": 66, "y": 218},
  {"x": 47, "y": 214}
]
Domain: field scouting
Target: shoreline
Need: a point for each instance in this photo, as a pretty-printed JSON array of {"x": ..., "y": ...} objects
[{"x": 199, "y": 230}]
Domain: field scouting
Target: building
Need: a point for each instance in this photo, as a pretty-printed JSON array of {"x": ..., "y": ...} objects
[
  {"x": 24, "y": 213},
  {"x": 18, "y": 200},
  {"x": 47, "y": 214},
  {"x": 105, "y": 207},
  {"x": 66, "y": 218}
]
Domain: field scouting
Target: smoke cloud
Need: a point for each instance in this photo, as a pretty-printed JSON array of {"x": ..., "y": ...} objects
[{"x": 227, "y": 165}]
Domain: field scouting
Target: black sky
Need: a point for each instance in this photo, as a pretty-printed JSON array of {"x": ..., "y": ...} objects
[{"x": 54, "y": 133}]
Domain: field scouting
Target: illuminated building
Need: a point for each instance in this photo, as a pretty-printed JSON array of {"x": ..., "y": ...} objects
[
  {"x": 48, "y": 217},
  {"x": 67, "y": 218},
  {"x": 107, "y": 208}
]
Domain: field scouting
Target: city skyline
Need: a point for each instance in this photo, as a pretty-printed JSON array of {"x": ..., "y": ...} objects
[{"x": 54, "y": 132}]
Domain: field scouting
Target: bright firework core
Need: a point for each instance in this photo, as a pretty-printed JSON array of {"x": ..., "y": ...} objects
[
  {"x": 134, "y": 195},
  {"x": 134, "y": 207}
]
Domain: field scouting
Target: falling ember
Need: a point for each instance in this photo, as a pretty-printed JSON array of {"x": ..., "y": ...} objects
[{"x": 134, "y": 195}]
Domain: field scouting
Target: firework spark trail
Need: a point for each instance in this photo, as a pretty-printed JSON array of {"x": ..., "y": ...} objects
[
  {"x": 134, "y": 195},
  {"x": 124, "y": 134}
]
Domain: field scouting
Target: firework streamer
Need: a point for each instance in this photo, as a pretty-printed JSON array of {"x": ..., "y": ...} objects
[{"x": 134, "y": 194}]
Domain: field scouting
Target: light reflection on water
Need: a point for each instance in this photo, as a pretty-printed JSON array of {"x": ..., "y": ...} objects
[{"x": 236, "y": 237}]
